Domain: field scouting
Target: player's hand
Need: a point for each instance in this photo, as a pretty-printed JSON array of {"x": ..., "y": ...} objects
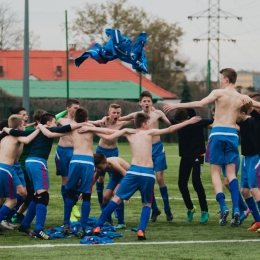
[
  {"x": 104, "y": 121},
  {"x": 83, "y": 129},
  {"x": 195, "y": 119},
  {"x": 246, "y": 100},
  {"x": 38, "y": 126},
  {"x": 152, "y": 108},
  {"x": 169, "y": 107}
]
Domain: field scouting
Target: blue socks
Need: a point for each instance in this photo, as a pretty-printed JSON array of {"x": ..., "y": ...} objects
[
  {"x": 30, "y": 214},
  {"x": 241, "y": 202},
  {"x": 220, "y": 197},
  {"x": 63, "y": 192},
  {"x": 41, "y": 213},
  {"x": 234, "y": 190},
  {"x": 85, "y": 209},
  {"x": 4, "y": 211},
  {"x": 69, "y": 203},
  {"x": 120, "y": 213},
  {"x": 254, "y": 211},
  {"x": 145, "y": 215},
  {"x": 165, "y": 197},
  {"x": 154, "y": 204},
  {"x": 107, "y": 211},
  {"x": 100, "y": 188}
]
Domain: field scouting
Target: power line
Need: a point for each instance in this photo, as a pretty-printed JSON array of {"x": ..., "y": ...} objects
[{"x": 214, "y": 14}]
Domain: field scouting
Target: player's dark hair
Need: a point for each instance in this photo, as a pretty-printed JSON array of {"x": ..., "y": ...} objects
[
  {"x": 38, "y": 113},
  {"x": 44, "y": 118},
  {"x": 15, "y": 120},
  {"x": 81, "y": 115},
  {"x": 17, "y": 110},
  {"x": 140, "y": 118},
  {"x": 3, "y": 123},
  {"x": 145, "y": 94},
  {"x": 70, "y": 102},
  {"x": 99, "y": 158},
  {"x": 230, "y": 74},
  {"x": 181, "y": 114},
  {"x": 243, "y": 109}
]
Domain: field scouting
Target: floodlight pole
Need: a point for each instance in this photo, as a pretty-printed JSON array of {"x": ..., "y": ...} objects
[
  {"x": 67, "y": 56},
  {"x": 26, "y": 83}
]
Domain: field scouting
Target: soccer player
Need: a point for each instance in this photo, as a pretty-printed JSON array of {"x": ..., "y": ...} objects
[
  {"x": 223, "y": 140},
  {"x": 192, "y": 150},
  {"x": 117, "y": 167},
  {"x": 64, "y": 153},
  {"x": 81, "y": 169},
  {"x": 36, "y": 166},
  {"x": 250, "y": 170},
  {"x": 159, "y": 159},
  {"x": 108, "y": 148},
  {"x": 10, "y": 185},
  {"x": 140, "y": 175}
]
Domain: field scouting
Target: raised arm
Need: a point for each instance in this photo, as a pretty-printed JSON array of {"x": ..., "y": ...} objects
[
  {"x": 28, "y": 138},
  {"x": 50, "y": 134},
  {"x": 14, "y": 132},
  {"x": 174, "y": 128},
  {"x": 117, "y": 133},
  {"x": 164, "y": 118},
  {"x": 128, "y": 117},
  {"x": 196, "y": 104}
]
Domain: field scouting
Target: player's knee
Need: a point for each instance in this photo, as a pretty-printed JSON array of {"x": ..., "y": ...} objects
[
  {"x": 101, "y": 179},
  {"x": 43, "y": 198},
  {"x": 86, "y": 197},
  {"x": 11, "y": 203},
  {"x": 71, "y": 194}
]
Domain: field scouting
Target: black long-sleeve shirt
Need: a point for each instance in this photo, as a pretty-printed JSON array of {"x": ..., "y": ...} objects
[
  {"x": 248, "y": 137},
  {"x": 256, "y": 116},
  {"x": 41, "y": 144},
  {"x": 191, "y": 138}
]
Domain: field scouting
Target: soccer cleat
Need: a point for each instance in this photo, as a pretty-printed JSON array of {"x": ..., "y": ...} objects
[
  {"x": 40, "y": 234},
  {"x": 17, "y": 218},
  {"x": 155, "y": 214},
  {"x": 75, "y": 211},
  {"x": 66, "y": 230},
  {"x": 190, "y": 214},
  {"x": 6, "y": 224},
  {"x": 120, "y": 226},
  {"x": 141, "y": 235},
  {"x": 81, "y": 232},
  {"x": 223, "y": 216},
  {"x": 96, "y": 231},
  {"x": 24, "y": 230},
  {"x": 255, "y": 226},
  {"x": 244, "y": 215},
  {"x": 204, "y": 217},
  {"x": 169, "y": 216},
  {"x": 73, "y": 218},
  {"x": 235, "y": 222}
]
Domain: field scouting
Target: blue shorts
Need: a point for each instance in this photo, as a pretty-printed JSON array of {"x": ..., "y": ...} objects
[
  {"x": 113, "y": 181},
  {"x": 158, "y": 156},
  {"x": 250, "y": 172},
  {"x": 137, "y": 178},
  {"x": 81, "y": 169},
  {"x": 20, "y": 174},
  {"x": 62, "y": 160},
  {"x": 8, "y": 181},
  {"x": 237, "y": 164},
  {"x": 222, "y": 146},
  {"x": 108, "y": 153},
  {"x": 37, "y": 171}
]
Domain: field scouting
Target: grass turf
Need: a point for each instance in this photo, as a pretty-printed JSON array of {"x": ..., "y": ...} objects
[{"x": 160, "y": 231}]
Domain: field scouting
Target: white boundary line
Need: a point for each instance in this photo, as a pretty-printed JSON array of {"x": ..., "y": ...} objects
[{"x": 136, "y": 243}]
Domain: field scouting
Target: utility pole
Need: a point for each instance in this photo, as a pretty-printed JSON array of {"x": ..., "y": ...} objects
[
  {"x": 214, "y": 14},
  {"x": 67, "y": 56},
  {"x": 26, "y": 82}
]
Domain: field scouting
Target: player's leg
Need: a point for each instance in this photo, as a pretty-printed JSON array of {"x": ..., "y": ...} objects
[{"x": 184, "y": 175}]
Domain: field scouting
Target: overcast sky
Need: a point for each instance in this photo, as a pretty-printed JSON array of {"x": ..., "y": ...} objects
[{"x": 46, "y": 17}]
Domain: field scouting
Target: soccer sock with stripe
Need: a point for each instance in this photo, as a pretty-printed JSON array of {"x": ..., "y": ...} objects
[
  {"x": 144, "y": 219},
  {"x": 165, "y": 197}
]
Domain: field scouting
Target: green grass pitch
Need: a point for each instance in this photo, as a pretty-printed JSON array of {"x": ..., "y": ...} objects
[{"x": 165, "y": 240}]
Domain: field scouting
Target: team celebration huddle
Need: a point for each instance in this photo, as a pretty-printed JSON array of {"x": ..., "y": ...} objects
[{"x": 25, "y": 150}]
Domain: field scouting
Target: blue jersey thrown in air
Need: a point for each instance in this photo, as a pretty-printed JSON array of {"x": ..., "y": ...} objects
[{"x": 118, "y": 47}]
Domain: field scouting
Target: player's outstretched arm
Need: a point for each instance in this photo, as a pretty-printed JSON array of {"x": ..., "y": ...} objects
[
  {"x": 48, "y": 133},
  {"x": 117, "y": 133},
  {"x": 128, "y": 117},
  {"x": 195, "y": 104},
  {"x": 96, "y": 130},
  {"x": 29, "y": 138}
]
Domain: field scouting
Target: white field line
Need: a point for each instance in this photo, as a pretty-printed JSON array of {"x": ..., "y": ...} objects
[
  {"x": 138, "y": 197},
  {"x": 136, "y": 243}
]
